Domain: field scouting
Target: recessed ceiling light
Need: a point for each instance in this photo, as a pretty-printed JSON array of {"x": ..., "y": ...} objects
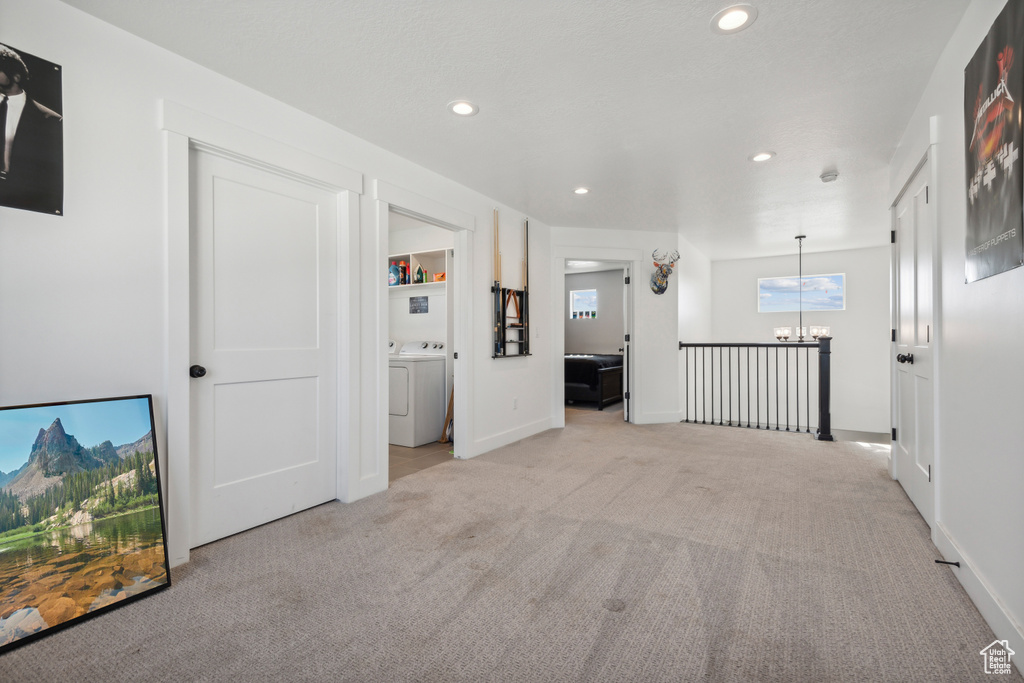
[
  {"x": 762, "y": 156},
  {"x": 582, "y": 190},
  {"x": 462, "y": 108},
  {"x": 582, "y": 264},
  {"x": 734, "y": 18}
]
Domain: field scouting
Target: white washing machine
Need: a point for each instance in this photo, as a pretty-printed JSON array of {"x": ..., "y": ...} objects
[{"x": 416, "y": 402}]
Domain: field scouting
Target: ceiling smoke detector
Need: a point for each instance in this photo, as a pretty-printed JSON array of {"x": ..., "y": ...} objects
[{"x": 829, "y": 176}]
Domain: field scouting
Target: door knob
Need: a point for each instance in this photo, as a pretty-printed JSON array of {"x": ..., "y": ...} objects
[
  {"x": 197, "y": 371},
  {"x": 905, "y": 358}
]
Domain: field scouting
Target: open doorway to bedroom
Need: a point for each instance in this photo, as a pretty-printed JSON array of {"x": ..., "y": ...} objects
[{"x": 597, "y": 341}]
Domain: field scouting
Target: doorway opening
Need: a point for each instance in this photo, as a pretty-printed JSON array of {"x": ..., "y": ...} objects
[
  {"x": 420, "y": 331},
  {"x": 597, "y": 321}
]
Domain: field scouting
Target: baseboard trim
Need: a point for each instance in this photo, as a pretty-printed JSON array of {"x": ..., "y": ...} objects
[
  {"x": 365, "y": 488},
  {"x": 481, "y": 446},
  {"x": 992, "y": 608},
  {"x": 645, "y": 418}
]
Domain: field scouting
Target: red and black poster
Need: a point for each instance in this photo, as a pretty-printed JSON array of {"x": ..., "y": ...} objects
[{"x": 993, "y": 94}]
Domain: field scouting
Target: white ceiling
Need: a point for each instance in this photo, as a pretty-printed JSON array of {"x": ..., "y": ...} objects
[{"x": 637, "y": 99}]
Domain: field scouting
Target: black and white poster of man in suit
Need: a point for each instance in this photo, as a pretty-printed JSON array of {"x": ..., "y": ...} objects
[{"x": 31, "y": 130}]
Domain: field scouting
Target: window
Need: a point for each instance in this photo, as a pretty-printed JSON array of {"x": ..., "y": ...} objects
[
  {"x": 583, "y": 304},
  {"x": 817, "y": 292}
]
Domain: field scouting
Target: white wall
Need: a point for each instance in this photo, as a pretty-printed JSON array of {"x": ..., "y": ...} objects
[
  {"x": 604, "y": 333},
  {"x": 514, "y": 399},
  {"x": 408, "y": 234},
  {"x": 84, "y": 297},
  {"x": 979, "y": 469},
  {"x": 693, "y": 277},
  {"x": 861, "y": 333},
  {"x": 404, "y": 326}
]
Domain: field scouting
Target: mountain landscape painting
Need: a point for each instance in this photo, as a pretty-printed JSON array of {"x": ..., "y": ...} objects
[{"x": 81, "y": 515}]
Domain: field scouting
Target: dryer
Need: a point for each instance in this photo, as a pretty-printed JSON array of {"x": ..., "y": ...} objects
[{"x": 416, "y": 402}]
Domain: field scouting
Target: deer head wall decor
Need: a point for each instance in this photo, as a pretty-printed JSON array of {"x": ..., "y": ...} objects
[{"x": 664, "y": 261}]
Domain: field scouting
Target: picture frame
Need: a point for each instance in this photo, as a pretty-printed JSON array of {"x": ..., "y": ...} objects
[
  {"x": 82, "y": 527},
  {"x": 32, "y": 176},
  {"x": 993, "y": 138}
]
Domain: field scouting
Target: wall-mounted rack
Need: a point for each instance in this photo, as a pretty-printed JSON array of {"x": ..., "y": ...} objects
[{"x": 511, "y": 319}]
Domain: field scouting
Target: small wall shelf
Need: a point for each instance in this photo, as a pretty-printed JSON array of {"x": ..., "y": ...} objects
[
  {"x": 432, "y": 262},
  {"x": 421, "y": 285}
]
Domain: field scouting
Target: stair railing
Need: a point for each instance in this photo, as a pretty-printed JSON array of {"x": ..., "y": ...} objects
[{"x": 759, "y": 386}]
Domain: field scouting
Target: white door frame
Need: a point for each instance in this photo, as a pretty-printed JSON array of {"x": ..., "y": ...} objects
[
  {"x": 389, "y": 198},
  {"x": 633, "y": 257},
  {"x": 927, "y": 159},
  {"x": 184, "y": 128}
]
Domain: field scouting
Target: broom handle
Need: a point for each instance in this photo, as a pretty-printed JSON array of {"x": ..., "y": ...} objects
[
  {"x": 526, "y": 254},
  {"x": 497, "y": 253}
]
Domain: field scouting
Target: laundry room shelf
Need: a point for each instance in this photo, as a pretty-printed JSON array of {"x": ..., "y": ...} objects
[
  {"x": 432, "y": 262},
  {"x": 438, "y": 286}
]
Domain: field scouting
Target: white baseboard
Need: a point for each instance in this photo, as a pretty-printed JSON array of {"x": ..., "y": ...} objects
[
  {"x": 364, "y": 488},
  {"x": 645, "y": 418},
  {"x": 992, "y": 608},
  {"x": 481, "y": 446}
]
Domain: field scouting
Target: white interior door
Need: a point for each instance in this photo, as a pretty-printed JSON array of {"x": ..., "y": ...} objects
[
  {"x": 626, "y": 342},
  {"x": 913, "y": 400},
  {"x": 264, "y": 328}
]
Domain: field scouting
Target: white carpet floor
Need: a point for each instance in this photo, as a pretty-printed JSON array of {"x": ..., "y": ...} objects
[{"x": 601, "y": 552}]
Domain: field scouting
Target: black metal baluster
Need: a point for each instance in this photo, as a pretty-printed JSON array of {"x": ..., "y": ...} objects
[
  {"x": 807, "y": 374},
  {"x": 798, "y": 389},
  {"x": 713, "y": 385},
  {"x": 729, "y": 350},
  {"x": 748, "y": 387},
  {"x": 721, "y": 388},
  {"x": 787, "y": 388},
  {"x": 711, "y": 355},
  {"x": 778, "y": 423},
  {"x": 807, "y": 380},
  {"x": 703, "y": 387},
  {"x": 686, "y": 385}
]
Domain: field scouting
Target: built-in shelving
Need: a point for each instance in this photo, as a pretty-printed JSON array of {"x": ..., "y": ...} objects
[{"x": 432, "y": 262}]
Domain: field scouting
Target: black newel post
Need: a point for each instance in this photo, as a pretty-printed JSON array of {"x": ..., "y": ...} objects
[{"x": 824, "y": 432}]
